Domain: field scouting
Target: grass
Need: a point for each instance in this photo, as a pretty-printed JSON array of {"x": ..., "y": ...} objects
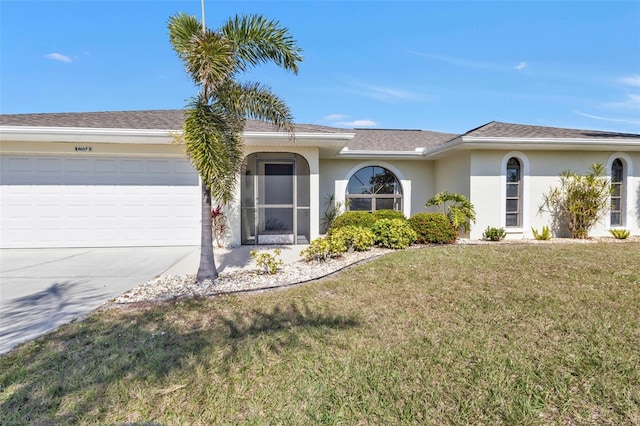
[{"x": 494, "y": 334}]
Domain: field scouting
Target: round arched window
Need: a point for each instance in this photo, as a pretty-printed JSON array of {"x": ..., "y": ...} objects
[{"x": 373, "y": 188}]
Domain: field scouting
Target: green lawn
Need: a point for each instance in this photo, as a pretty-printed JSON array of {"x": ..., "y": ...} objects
[{"x": 492, "y": 334}]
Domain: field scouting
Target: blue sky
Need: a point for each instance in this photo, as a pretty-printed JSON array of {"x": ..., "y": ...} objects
[{"x": 447, "y": 66}]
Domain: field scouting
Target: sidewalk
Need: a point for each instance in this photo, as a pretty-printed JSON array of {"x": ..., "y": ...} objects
[{"x": 233, "y": 259}]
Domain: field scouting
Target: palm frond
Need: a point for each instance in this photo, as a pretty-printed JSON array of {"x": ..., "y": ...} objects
[
  {"x": 214, "y": 149},
  {"x": 207, "y": 56},
  {"x": 256, "y": 101},
  {"x": 258, "y": 40}
]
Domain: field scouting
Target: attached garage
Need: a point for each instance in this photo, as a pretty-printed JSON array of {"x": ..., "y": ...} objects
[
  {"x": 66, "y": 201},
  {"x": 85, "y": 186}
]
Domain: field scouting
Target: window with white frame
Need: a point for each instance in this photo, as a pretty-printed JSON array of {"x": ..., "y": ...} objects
[
  {"x": 617, "y": 193},
  {"x": 373, "y": 188},
  {"x": 513, "y": 202}
]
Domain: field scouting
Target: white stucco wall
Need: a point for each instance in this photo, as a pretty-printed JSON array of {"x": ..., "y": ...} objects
[
  {"x": 451, "y": 174},
  {"x": 541, "y": 171},
  {"x": 416, "y": 179}
]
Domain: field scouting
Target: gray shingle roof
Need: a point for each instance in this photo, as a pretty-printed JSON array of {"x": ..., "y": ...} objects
[
  {"x": 152, "y": 119},
  {"x": 364, "y": 140},
  {"x": 396, "y": 140},
  {"x": 497, "y": 129}
]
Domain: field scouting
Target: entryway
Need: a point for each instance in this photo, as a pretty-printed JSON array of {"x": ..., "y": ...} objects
[{"x": 275, "y": 199}]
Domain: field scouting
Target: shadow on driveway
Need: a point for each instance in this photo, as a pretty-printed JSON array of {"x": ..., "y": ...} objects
[{"x": 28, "y": 317}]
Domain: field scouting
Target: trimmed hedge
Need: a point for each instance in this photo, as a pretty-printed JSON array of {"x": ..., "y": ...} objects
[
  {"x": 354, "y": 237},
  {"x": 388, "y": 214},
  {"x": 393, "y": 233},
  {"x": 433, "y": 228},
  {"x": 356, "y": 218}
]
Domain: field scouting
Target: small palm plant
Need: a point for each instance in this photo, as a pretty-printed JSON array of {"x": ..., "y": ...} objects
[
  {"x": 620, "y": 234},
  {"x": 543, "y": 235},
  {"x": 460, "y": 210}
]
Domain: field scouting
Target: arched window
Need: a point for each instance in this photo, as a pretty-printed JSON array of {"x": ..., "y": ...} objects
[
  {"x": 617, "y": 194},
  {"x": 373, "y": 188},
  {"x": 513, "y": 200}
]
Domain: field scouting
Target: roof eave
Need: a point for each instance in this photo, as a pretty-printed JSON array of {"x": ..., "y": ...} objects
[
  {"x": 539, "y": 144},
  {"x": 417, "y": 154},
  {"x": 160, "y": 136}
]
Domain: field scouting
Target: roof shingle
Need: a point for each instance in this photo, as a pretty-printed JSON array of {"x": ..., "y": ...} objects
[{"x": 496, "y": 129}]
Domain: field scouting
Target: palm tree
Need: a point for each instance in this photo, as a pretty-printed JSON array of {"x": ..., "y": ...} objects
[{"x": 215, "y": 118}]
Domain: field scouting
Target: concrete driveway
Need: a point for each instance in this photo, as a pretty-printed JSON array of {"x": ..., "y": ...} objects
[{"x": 41, "y": 289}]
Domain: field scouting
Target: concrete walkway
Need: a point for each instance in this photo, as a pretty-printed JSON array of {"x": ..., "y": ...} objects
[{"x": 234, "y": 259}]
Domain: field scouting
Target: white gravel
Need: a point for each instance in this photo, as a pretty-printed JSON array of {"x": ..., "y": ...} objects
[{"x": 172, "y": 287}]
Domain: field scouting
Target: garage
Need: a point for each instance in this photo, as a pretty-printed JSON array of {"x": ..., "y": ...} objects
[{"x": 84, "y": 200}]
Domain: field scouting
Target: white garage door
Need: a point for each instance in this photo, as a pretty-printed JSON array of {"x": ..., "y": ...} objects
[{"x": 52, "y": 201}]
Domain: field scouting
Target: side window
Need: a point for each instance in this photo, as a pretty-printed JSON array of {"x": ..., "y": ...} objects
[
  {"x": 373, "y": 188},
  {"x": 513, "y": 200},
  {"x": 617, "y": 197}
]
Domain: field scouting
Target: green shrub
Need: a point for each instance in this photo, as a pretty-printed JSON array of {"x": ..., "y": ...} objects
[
  {"x": 460, "y": 211},
  {"x": 267, "y": 263},
  {"x": 433, "y": 228},
  {"x": 322, "y": 249},
  {"x": 357, "y": 218},
  {"x": 388, "y": 214},
  {"x": 543, "y": 235},
  {"x": 494, "y": 234},
  {"x": 621, "y": 234},
  {"x": 354, "y": 238},
  {"x": 393, "y": 233}
]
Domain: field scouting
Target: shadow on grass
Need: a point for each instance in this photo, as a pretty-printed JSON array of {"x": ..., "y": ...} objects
[{"x": 87, "y": 368}]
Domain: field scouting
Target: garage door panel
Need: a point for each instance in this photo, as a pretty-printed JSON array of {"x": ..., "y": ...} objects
[{"x": 98, "y": 201}]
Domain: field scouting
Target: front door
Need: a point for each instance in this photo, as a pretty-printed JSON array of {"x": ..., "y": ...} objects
[
  {"x": 276, "y": 203},
  {"x": 275, "y": 200}
]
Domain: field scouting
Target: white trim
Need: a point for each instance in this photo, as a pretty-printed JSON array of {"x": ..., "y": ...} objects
[
  {"x": 524, "y": 207},
  {"x": 627, "y": 207},
  {"x": 405, "y": 184},
  {"x": 550, "y": 144},
  {"x": 158, "y": 136},
  {"x": 83, "y": 134},
  {"x": 416, "y": 154}
]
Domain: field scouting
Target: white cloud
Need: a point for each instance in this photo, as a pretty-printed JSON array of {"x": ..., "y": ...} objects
[
  {"x": 342, "y": 120},
  {"x": 631, "y": 80},
  {"x": 360, "y": 123},
  {"x": 521, "y": 66},
  {"x": 389, "y": 94},
  {"x": 58, "y": 57},
  {"x": 631, "y": 102},
  {"x": 451, "y": 60},
  {"x": 614, "y": 119},
  {"x": 335, "y": 117}
]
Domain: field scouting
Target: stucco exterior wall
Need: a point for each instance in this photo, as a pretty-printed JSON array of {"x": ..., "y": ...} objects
[
  {"x": 541, "y": 170},
  {"x": 416, "y": 179},
  {"x": 451, "y": 174}
]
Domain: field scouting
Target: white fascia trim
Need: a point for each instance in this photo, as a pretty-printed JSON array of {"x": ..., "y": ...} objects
[
  {"x": 84, "y": 134},
  {"x": 321, "y": 140},
  {"x": 151, "y": 136},
  {"x": 414, "y": 155},
  {"x": 553, "y": 143},
  {"x": 285, "y": 136},
  {"x": 472, "y": 142}
]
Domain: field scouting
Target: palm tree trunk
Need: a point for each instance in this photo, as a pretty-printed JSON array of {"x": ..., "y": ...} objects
[{"x": 207, "y": 269}]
